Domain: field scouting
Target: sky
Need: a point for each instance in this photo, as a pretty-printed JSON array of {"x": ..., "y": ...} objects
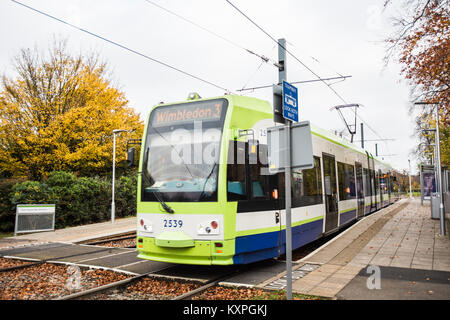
[{"x": 331, "y": 38}]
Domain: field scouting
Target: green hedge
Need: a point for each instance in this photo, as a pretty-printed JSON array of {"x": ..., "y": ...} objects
[
  {"x": 7, "y": 209},
  {"x": 78, "y": 200}
]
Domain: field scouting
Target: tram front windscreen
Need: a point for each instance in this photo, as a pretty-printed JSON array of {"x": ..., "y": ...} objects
[{"x": 182, "y": 149}]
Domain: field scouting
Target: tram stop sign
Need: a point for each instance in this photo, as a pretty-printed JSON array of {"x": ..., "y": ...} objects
[{"x": 290, "y": 102}]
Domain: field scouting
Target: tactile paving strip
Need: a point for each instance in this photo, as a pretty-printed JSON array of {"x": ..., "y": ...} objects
[{"x": 281, "y": 283}]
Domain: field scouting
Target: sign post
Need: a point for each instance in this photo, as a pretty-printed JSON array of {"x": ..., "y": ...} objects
[{"x": 290, "y": 113}]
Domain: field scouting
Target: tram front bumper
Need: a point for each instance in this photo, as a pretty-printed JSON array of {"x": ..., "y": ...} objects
[{"x": 205, "y": 252}]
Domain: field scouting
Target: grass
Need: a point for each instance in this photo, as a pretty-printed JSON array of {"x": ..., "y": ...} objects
[
  {"x": 281, "y": 295},
  {"x": 6, "y": 234}
]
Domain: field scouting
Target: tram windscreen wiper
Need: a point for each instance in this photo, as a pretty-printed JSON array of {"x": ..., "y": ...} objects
[{"x": 157, "y": 195}]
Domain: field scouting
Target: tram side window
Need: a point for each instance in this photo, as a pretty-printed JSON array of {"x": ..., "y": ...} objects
[
  {"x": 236, "y": 175},
  {"x": 372, "y": 182},
  {"x": 346, "y": 176},
  {"x": 307, "y": 186},
  {"x": 392, "y": 180},
  {"x": 383, "y": 183},
  {"x": 367, "y": 180},
  {"x": 377, "y": 182}
]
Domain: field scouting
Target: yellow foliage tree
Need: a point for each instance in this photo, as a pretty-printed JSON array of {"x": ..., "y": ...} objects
[{"x": 59, "y": 114}]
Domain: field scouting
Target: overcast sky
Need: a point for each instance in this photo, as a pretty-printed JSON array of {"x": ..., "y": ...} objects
[{"x": 330, "y": 37}]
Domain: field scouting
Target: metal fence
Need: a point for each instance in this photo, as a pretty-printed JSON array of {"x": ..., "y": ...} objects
[{"x": 34, "y": 218}]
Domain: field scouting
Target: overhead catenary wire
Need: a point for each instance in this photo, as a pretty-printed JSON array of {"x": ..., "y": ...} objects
[
  {"x": 248, "y": 81},
  {"x": 284, "y": 48},
  {"x": 301, "y": 62},
  {"x": 233, "y": 43},
  {"x": 123, "y": 47},
  {"x": 296, "y": 82}
]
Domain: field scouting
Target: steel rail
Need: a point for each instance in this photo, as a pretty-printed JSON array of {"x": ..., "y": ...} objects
[
  {"x": 110, "y": 240},
  {"x": 198, "y": 290},
  {"x": 46, "y": 260},
  {"x": 107, "y": 238},
  {"x": 107, "y": 286}
]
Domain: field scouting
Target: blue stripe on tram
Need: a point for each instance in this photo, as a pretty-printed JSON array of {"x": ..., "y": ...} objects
[{"x": 263, "y": 246}]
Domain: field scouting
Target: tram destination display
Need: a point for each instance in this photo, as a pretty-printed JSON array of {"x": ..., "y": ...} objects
[{"x": 187, "y": 112}]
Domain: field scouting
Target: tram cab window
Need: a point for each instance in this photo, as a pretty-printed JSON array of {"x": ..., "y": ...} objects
[
  {"x": 236, "y": 171},
  {"x": 247, "y": 173}
]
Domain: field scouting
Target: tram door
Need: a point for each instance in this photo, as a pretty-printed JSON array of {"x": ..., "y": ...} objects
[
  {"x": 371, "y": 171},
  {"x": 331, "y": 199},
  {"x": 359, "y": 189}
]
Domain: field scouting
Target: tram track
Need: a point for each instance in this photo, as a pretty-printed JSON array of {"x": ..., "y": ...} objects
[
  {"x": 111, "y": 240},
  {"x": 22, "y": 266},
  {"x": 89, "y": 292},
  {"x": 197, "y": 291}
]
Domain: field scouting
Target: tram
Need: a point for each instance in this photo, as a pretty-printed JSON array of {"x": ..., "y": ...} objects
[{"x": 205, "y": 195}]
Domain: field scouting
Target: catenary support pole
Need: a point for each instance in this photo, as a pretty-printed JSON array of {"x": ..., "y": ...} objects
[{"x": 362, "y": 135}]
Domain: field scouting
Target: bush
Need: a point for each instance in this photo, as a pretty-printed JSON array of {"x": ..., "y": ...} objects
[
  {"x": 7, "y": 209},
  {"x": 85, "y": 206},
  {"x": 60, "y": 179},
  {"x": 78, "y": 200},
  {"x": 61, "y": 182},
  {"x": 125, "y": 196},
  {"x": 29, "y": 192}
]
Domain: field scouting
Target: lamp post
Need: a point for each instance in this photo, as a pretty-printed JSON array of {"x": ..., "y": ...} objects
[
  {"x": 438, "y": 165},
  {"x": 410, "y": 191},
  {"x": 113, "y": 205}
]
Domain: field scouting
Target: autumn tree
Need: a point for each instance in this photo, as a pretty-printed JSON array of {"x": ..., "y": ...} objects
[
  {"x": 59, "y": 112},
  {"x": 421, "y": 43}
]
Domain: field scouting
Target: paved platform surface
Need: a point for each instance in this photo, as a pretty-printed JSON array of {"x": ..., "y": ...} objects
[
  {"x": 399, "y": 284},
  {"x": 73, "y": 234},
  {"x": 401, "y": 236}
]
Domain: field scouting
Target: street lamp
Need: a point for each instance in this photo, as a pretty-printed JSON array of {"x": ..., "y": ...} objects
[
  {"x": 438, "y": 164},
  {"x": 113, "y": 206},
  {"x": 410, "y": 192}
]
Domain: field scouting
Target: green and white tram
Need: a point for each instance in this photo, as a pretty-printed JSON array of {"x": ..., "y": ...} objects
[{"x": 205, "y": 195}]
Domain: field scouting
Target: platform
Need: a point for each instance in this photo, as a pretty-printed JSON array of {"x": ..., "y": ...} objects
[{"x": 402, "y": 240}]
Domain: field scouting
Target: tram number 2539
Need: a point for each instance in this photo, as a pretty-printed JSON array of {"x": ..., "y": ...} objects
[{"x": 172, "y": 223}]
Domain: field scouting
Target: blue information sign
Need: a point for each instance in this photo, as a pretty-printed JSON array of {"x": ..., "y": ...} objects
[{"x": 290, "y": 102}]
